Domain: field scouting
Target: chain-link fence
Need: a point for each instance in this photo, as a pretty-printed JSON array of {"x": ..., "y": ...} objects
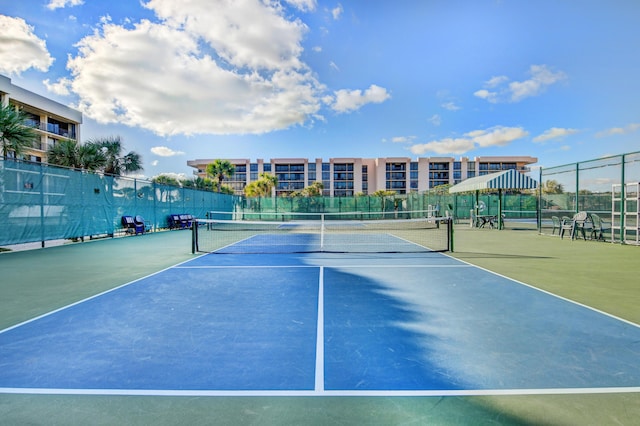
[
  {"x": 587, "y": 186},
  {"x": 39, "y": 202}
]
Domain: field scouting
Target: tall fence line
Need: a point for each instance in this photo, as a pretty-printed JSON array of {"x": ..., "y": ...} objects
[
  {"x": 588, "y": 186},
  {"x": 40, "y": 202}
]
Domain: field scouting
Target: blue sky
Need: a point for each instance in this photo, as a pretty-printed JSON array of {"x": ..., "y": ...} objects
[{"x": 181, "y": 80}]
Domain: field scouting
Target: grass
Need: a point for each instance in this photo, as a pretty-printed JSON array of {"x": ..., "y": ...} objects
[{"x": 597, "y": 274}]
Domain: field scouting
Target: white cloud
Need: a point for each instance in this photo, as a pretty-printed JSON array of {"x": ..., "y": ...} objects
[
  {"x": 450, "y": 106},
  {"x": 350, "y": 100},
  {"x": 157, "y": 76},
  {"x": 435, "y": 119},
  {"x": 334, "y": 66},
  {"x": 496, "y": 81},
  {"x": 303, "y": 5},
  {"x": 554, "y": 133},
  {"x": 630, "y": 128},
  {"x": 487, "y": 95},
  {"x": 59, "y": 4},
  {"x": 250, "y": 33},
  {"x": 164, "y": 151},
  {"x": 403, "y": 139},
  {"x": 336, "y": 12},
  {"x": 60, "y": 87},
  {"x": 317, "y": 49},
  {"x": 495, "y": 136},
  {"x": 204, "y": 67},
  {"x": 541, "y": 77},
  {"x": 444, "y": 146},
  {"x": 20, "y": 48}
]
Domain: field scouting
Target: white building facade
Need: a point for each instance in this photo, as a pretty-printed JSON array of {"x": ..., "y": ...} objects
[
  {"x": 344, "y": 177},
  {"x": 51, "y": 120}
]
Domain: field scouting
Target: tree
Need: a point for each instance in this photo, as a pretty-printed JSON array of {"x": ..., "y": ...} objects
[
  {"x": 69, "y": 153},
  {"x": 116, "y": 163},
  {"x": 552, "y": 187},
  {"x": 261, "y": 187},
  {"x": 15, "y": 136},
  {"x": 226, "y": 189},
  {"x": 219, "y": 170},
  {"x": 313, "y": 190},
  {"x": 198, "y": 183},
  {"x": 165, "y": 180}
]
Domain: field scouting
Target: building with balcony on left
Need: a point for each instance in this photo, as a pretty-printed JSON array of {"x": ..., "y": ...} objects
[{"x": 51, "y": 120}]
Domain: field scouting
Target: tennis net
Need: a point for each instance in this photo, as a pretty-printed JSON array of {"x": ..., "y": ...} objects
[{"x": 323, "y": 233}]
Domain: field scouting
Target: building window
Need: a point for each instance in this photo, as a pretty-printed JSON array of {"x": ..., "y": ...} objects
[{"x": 290, "y": 178}]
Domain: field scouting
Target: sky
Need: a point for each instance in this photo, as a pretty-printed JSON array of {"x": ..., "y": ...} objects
[{"x": 193, "y": 79}]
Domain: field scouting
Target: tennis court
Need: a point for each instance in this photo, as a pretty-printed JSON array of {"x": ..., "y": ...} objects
[{"x": 287, "y": 324}]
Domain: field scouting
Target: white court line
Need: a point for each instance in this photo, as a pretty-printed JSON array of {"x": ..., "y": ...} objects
[
  {"x": 319, "y": 382},
  {"x": 322, "y": 393},
  {"x": 323, "y": 266}
]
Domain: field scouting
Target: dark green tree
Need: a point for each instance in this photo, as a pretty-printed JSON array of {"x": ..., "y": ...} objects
[
  {"x": 117, "y": 163},
  {"x": 219, "y": 170},
  {"x": 15, "y": 136}
]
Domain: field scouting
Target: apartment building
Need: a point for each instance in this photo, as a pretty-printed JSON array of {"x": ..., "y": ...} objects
[
  {"x": 344, "y": 177},
  {"x": 51, "y": 120}
]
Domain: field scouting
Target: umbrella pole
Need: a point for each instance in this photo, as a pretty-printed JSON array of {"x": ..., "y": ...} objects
[{"x": 500, "y": 224}]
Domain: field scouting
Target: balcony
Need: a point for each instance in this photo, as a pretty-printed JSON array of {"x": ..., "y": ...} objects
[{"x": 53, "y": 128}]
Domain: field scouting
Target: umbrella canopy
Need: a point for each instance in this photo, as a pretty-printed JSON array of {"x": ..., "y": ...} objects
[{"x": 509, "y": 179}]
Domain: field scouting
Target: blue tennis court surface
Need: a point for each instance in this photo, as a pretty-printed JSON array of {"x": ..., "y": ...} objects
[{"x": 322, "y": 324}]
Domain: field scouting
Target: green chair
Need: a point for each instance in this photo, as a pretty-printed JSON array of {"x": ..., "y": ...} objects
[
  {"x": 600, "y": 226},
  {"x": 556, "y": 225},
  {"x": 567, "y": 224}
]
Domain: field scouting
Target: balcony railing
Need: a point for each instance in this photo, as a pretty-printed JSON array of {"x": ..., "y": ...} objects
[{"x": 51, "y": 128}]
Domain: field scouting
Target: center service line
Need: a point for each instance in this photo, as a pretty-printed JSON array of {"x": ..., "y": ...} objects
[{"x": 319, "y": 384}]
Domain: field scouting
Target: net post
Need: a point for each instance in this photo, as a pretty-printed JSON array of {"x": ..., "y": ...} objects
[
  {"x": 321, "y": 231},
  {"x": 450, "y": 234},
  {"x": 194, "y": 236}
]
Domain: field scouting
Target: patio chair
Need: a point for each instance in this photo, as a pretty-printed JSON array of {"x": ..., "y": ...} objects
[
  {"x": 556, "y": 225},
  {"x": 174, "y": 221},
  {"x": 579, "y": 224},
  {"x": 583, "y": 225},
  {"x": 473, "y": 219},
  {"x": 600, "y": 226},
  {"x": 567, "y": 224},
  {"x": 130, "y": 226},
  {"x": 146, "y": 226}
]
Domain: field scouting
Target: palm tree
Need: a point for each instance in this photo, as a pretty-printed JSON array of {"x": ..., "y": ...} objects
[
  {"x": 116, "y": 163},
  {"x": 166, "y": 180},
  {"x": 91, "y": 156},
  {"x": 15, "y": 136},
  {"x": 69, "y": 153},
  {"x": 65, "y": 153},
  {"x": 226, "y": 189},
  {"x": 220, "y": 169},
  {"x": 261, "y": 187},
  {"x": 198, "y": 183}
]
